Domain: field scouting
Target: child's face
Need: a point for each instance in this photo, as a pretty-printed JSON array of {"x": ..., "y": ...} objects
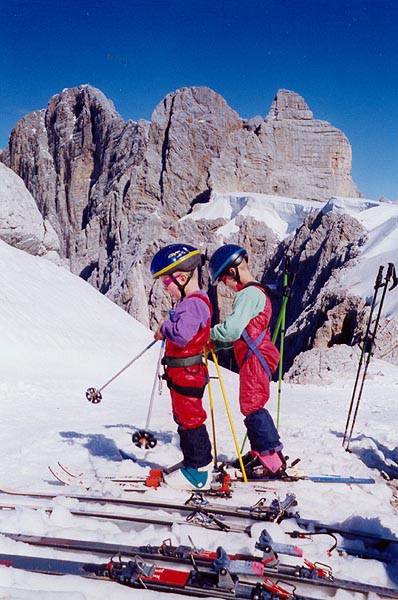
[{"x": 170, "y": 284}]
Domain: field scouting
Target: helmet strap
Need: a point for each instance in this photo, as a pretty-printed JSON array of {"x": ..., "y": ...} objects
[
  {"x": 236, "y": 275},
  {"x": 178, "y": 284}
]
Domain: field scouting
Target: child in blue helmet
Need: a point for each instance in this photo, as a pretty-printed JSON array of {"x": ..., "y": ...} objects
[
  {"x": 247, "y": 330},
  {"x": 186, "y": 334}
]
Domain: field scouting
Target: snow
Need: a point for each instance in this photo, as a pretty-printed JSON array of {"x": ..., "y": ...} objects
[
  {"x": 60, "y": 336},
  {"x": 282, "y": 215},
  {"x": 381, "y": 248}
]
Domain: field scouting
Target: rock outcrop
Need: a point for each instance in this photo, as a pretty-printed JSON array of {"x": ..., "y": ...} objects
[
  {"x": 21, "y": 224},
  {"x": 289, "y": 154},
  {"x": 320, "y": 314},
  {"x": 323, "y": 366}
]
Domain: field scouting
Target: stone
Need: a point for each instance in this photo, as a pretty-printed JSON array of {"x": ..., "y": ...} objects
[
  {"x": 21, "y": 224},
  {"x": 321, "y": 366}
]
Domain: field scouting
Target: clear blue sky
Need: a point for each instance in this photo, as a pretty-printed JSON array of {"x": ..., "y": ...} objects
[{"x": 340, "y": 55}]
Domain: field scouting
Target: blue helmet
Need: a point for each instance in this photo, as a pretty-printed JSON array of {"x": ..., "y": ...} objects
[
  {"x": 175, "y": 257},
  {"x": 223, "y": 259}
]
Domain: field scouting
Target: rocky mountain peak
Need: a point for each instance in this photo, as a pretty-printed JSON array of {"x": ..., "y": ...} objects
[
  {"x": 289, "y": 105},
  {"x": 77, "y": 98},
  {"x": 114, "y": 190}
]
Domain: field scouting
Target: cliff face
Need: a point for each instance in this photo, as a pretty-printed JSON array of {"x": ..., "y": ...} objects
[
  {"x": 289, "y": 154},
  {"x": 96, "y": 178},
  {"x": 113, "y": 191}
]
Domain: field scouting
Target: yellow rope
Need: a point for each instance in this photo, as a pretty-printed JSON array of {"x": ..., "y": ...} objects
[
  {"x": 213, "y": 425},
  {"x": 242, "y": 466}
]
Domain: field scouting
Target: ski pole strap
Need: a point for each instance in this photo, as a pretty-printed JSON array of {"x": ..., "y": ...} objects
[
  {"x": 185, "y": 390},
  {"x": 184, "y": 361},
  {"x": 253, "y": 349}
]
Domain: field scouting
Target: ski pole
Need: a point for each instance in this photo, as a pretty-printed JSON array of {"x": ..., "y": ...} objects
[
  {"x": 143, "y": 437},
  {"x": 94, "y": 395},
  {"x": 242, "y": 466},
  {"x": 390, "y": 274},
  {"x": 282, "y": 313},
  {"x": 378, "y": 284},
  {"x": 213, "y": 424}
]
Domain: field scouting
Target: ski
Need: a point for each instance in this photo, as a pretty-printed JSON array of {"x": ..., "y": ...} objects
[
  {"x": 287, "y": 477},
  {"x": 313, "y": 574},
  {"x": 195, "y": 518},
  {"x": 237, "y": 563},
  {"x": 198, "y": 582},
  {"x": 262, "y": 510},
  {"x": 370, "y": 537},
  {"x": 78, "y": 480},
  {"x": 372, "y": 546},
  {"x": 315, "y": 478},
  {"x": 220, "y": 485}
]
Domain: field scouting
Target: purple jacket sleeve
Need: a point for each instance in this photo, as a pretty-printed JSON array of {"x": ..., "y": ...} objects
[{"x": 190, "y": 315}]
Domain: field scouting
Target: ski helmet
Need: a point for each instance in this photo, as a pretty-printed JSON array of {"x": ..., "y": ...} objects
[
  {"x": 223, "y": 259},
  {"x": 175, "y": 257}
]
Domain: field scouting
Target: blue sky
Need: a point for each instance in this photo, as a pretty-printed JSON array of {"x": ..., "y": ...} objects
[{"x": 340, "y": 55}]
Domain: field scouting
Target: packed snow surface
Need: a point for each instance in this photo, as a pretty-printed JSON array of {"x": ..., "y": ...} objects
[{"x": 60, "y": 336}]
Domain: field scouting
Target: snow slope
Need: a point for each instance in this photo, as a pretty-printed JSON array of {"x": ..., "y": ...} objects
[
  {"x": 60, "y": 336},
  {"x": 381, "y": 222}
]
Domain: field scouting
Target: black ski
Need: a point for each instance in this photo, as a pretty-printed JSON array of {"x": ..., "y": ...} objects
[
  {"x": 372, "y": 546},
  {"x": 261, "y": 510},
  {"x": 199, "y": 582},
  {"x": 196, "y": 518},
  {"x": 309, "y": 574},
  {"x": 370, "y": 537}
]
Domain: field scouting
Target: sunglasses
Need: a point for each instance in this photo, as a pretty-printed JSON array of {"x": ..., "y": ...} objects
[{"x": 168, "y": 281}]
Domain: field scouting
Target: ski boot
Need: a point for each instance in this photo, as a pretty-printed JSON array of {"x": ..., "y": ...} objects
[
  {"x": 189, "y": 478},
  {"x": 247, "y": 459},
  {"x": 270, "y": 465}
]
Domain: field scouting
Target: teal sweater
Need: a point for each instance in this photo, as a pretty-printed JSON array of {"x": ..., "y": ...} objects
[{"x": 248, "y": 304}]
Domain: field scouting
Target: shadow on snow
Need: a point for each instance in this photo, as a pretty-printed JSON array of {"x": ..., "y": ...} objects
[
  {"x": 380, "y": 549},
  {"x": 102, "y": 446},
  {"x": 371, "y": 456}
]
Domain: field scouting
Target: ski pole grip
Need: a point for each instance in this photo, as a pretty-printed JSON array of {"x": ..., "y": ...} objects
[
  {"x": 379, "y": 277},
  {"x": 391, "y": 274}
]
